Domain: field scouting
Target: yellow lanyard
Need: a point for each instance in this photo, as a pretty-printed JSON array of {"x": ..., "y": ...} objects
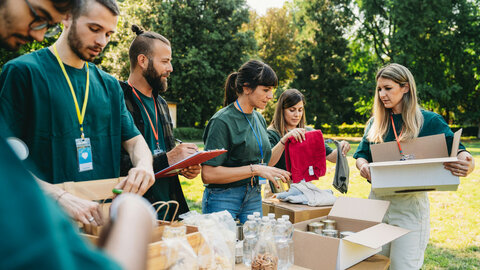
[{"x": 81, "y": 116}]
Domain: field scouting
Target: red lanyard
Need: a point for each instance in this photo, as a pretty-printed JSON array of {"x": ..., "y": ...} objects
[
  {"x": 154, "y": 130},
  {"x": 396, "y": 137}
]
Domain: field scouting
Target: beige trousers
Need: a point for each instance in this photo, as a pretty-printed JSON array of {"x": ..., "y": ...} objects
[{"x": 411, "y": 212}]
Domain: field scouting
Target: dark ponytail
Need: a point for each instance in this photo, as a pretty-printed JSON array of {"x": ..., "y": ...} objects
[
  {"x": 230, "y": 89},
  {"x": 251, "y": 74}
]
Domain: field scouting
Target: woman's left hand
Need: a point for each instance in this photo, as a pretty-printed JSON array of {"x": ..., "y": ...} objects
[
  {"x": 463, "y": 167},
  {"x": 345, "y": 146}
]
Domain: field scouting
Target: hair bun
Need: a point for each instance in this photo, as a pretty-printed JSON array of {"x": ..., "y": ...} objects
[{"x": 137, "y": 30}]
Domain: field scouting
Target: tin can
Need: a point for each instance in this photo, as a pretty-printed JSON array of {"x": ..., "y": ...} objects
[
  {"x": 315, "y": 227},
  {"x": 330, "y": 233},
  {"x": 330, "y": 224},
  {"x": 345, "y": 234}
]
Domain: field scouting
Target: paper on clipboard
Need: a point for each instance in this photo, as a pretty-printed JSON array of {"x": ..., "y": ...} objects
[{"x": 194, "y": 159}]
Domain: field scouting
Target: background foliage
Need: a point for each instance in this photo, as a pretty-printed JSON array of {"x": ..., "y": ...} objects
[{"x": 328, "y": 49}]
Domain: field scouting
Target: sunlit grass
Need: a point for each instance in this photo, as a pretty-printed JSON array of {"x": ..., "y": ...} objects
[{"x": 455, "y": 216}]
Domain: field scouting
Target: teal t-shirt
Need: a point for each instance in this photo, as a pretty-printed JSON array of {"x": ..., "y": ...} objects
[
  {"x": 229, "y": 129},
  {"x": 148, "y": 132},
  {"x": 275, "y": 137},
  {"x": 35, "y": 232},
  {"x": 37, "y": 104},
  {"x": 432, "y": 124}
]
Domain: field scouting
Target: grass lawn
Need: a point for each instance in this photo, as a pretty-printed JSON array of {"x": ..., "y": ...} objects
[{"x": 455, "y": 216}]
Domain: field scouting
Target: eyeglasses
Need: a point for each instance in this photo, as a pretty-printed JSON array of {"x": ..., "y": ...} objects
[{"x": 40, "y": 23}]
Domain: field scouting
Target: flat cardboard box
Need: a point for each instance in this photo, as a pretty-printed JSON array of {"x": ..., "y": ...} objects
[
  {"x": 296, "y": 212},
  {"x": 362, "y": 216},
  {"x": 426, "y": 172}
]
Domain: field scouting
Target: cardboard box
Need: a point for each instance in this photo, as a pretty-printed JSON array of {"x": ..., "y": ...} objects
[
  {"x": 297, "y": 212},
  {"x": 361, "y": 216},
  {"x": 426, "y": 172}
]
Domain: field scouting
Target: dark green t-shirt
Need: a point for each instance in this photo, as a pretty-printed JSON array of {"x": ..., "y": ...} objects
[
  {"x": 35, "y": 233},
  {"x": 161, "y": 188},
  {"x": 274, "y": 138},
  {"x": 148, "y": 133},
  {"x": 228, "y": 129},
  {"x": 432, "y": 124},
  {"x": 37, "y": 104}
]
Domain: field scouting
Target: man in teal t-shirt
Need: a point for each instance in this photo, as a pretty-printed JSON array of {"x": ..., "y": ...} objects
[{"x": 72, "y": 115}]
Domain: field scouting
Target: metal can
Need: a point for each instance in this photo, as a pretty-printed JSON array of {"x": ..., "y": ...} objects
[
  {"x": 330, "y": 233},
  {"x": 315, "y": 227},
  {"x": 345, "y": 234},
  {"x": 330, "y": 224}
]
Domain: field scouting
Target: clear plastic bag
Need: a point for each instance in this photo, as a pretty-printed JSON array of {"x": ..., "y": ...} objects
[
  {"x": 178, "y": 251},
  {"x": 219, "y": 231}
]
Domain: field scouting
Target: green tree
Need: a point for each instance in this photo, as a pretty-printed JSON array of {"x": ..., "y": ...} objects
[
  {"x": 438, "y": 40},
  {"x": 276, "y": 37},
  {"x": 323, "y": 74}
]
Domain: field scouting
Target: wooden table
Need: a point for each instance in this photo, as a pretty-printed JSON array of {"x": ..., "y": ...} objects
[{"x": 376, "y": 262}]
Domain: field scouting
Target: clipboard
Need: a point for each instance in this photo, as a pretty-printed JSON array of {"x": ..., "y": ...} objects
[{"x": 197, "y": 158}]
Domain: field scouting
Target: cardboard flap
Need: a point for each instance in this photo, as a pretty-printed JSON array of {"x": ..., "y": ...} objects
[
  {"x": 361, "y": 209},
  {"x": 456, "y": 142},
  {"x": 434, "y": 146},
  {"x": 376, "y": 236},
  {"x": 412, "y": 162},
  {"x": 91, "y": 190}
]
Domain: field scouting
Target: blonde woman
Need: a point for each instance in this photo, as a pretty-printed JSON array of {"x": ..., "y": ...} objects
[{"x": 397, "y": 116}]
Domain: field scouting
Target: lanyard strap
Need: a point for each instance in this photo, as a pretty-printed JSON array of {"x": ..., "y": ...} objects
[
  {"x": 80, "y": 116},
  {"x": 259, "y": 142},
  {"x": 396, "y": 137},
  {"x": 154, "y": 130}
]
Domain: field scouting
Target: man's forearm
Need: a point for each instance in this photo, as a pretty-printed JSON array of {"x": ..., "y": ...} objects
[
  {"x": 139, "y": 152},
  {"x": 50, "y": 189}
]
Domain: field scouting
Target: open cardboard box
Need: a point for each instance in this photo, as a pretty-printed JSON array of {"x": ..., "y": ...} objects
[
  {"x": 362, "y": 216},
  {"x": 426, "y": 172},
  {"x": 296, "y": 212}
]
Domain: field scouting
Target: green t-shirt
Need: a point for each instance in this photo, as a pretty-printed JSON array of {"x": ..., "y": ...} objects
[
  {"x": 37, "y": 104},
  {"x": 228, "y": 129},
  {"x": 432, "y": 124},
  {"x": 274, "y": 138},
  {"x": 148, "y": 132},
  {"x": 35, "y": 233}
]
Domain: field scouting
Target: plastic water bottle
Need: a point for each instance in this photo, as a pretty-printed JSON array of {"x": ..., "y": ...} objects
[
  {"x": 271, "y": 218},
  {"x": 289, "y": 226},
  {"x": 265, "y": 251},
  {"x": 258, "y": 220},
  {"x": 250, "y": 239},
  {"x": 280, "y": 234}
]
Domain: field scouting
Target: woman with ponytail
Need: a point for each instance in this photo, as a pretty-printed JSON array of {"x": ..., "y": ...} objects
[
  {"x": 233, "y": 180},
  {"x": 397, "y": 116}
]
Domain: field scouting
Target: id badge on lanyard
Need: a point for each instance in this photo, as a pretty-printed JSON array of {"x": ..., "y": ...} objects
[
  {"x": 84, "y": 154},
  {"x": 157, "y": 151},
  {"x": 262, "y": 180}
]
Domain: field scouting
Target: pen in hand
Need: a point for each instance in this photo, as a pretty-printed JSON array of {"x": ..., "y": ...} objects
[{"x": 178, "y": 140}]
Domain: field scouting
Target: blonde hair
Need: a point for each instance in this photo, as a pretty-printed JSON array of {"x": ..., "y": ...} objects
[
  {"x": 287, "y": 99},
  {"x": 411, "y": 114}
]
